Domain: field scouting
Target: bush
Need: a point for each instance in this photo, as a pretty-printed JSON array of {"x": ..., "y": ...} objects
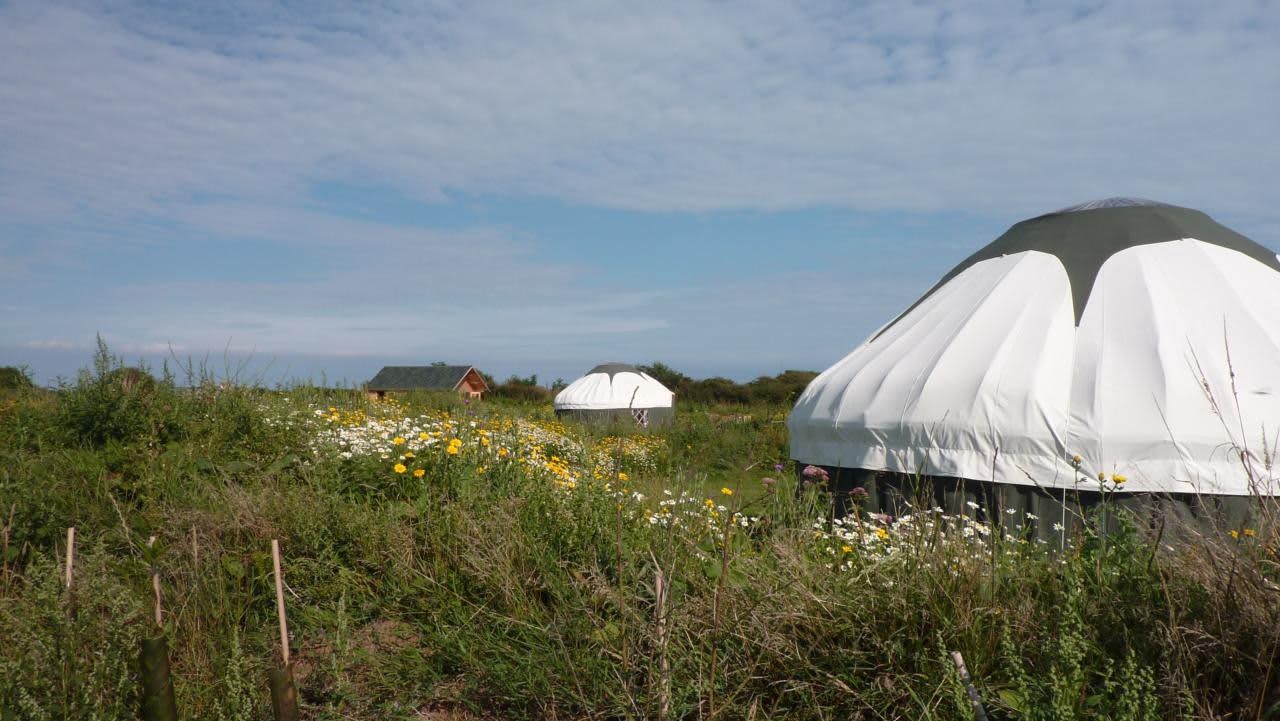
[
  {"x": 521, "y": 389},
  {"x": 14, "y": 378},
  {"x": 112, "y": 402},
  {"x": 783, "y": 388}
]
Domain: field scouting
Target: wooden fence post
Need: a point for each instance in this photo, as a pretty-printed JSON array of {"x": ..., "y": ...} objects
[
  {"x": 69, "y": 639},
  {"x": 660, "y": 625},
  {"x": 284, "y": 697},
  {"x": 979, "y": 713}
]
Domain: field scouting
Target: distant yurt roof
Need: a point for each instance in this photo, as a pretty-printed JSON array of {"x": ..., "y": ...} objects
[
  {"x": 1100, "y": 330},
  {"x": 613, "y": 369},
  {"x": 614, "y": 386}
]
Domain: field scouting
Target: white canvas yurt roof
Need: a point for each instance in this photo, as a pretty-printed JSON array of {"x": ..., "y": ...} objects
[
  {"x": 1142, "y": 337},
  {"x": 614, "y": 386}
]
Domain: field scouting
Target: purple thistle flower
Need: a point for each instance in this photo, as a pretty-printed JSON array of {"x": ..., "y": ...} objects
[
  {"x": 777, "y": 467},
  {"x": 859, "y": 495}
]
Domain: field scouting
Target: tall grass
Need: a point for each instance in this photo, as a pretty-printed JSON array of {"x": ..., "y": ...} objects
[{"x": 506, "y": 594}]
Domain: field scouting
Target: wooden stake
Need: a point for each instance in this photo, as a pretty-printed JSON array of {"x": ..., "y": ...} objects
[
  {"x": 195, "y": 548},
  {"x": 284, "y": 697},
  {"x": 284, "y": 624},
  {"x": 979, "y": 713},
  {"x": 71, "y": 553},
  {"x": 660, "y": 623},
  {"x": 69, "y": 642},
  {"x": 155, "y": 585},
  {"x": 4, "y": 545}
]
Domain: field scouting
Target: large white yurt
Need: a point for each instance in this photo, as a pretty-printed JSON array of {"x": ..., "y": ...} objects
[
  {"x": 616, "y": 391},
  {"x": 1122, "y": 337}
]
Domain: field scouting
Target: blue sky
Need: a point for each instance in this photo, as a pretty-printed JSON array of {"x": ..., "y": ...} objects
[{"x": 535, "y": 188}]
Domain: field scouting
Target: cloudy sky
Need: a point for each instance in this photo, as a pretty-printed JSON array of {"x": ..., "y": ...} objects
[{"x": 733, "y": 188}]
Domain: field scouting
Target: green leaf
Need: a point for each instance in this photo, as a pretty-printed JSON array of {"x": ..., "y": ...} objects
[
  {"x": 233, "y": 567},
  {"x": 1012, "y": 699},
  {"x": 152, "y": 552},
  {"x": 281, "y": 464}
]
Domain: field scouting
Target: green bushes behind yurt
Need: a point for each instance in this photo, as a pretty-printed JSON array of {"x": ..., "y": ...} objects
[{"x": 13, "y": 378}]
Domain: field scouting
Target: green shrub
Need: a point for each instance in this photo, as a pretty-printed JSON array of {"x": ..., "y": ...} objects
[
  {"x": 111, "y": 402},
  {"x": 14, "y": 378},
  {"x": 65, "y": 659}
]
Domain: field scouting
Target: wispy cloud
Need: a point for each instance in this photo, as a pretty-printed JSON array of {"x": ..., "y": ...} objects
[
  {"x": 49, "y": 344},
  {"x": 650, "y": 106}
]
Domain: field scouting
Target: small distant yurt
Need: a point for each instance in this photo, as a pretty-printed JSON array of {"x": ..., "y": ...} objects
[
  {"x": 1122, "y": 337},
  {"x": 614, "y": 392}
]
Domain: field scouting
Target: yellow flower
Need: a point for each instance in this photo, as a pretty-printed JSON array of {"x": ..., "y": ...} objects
[
  {"x": 1119, "y": 479},
  {"x": 409, "y": 455},
  {"x": 1250, "y": 532},
  {"x": 452, "y": 450},
  {"x": 502, "y": 453},
  {"x": 399, "y": 441},
  {"x": 1076, "y": 459},
  {"x": 727, "y": 491},
  {"x": 709, "y": 503},
  {"x": 419, "y": 473},
  {"x": 422, "y": 436},
  {"x": 882, "y": 534},
  {"x": 622, "y": 476},
  {"x": 399, "y": 468},
  {"x": 1102, "y": 476},
  {"x": 846, "y": 549},
  {"x": 1234, "y": 533}
]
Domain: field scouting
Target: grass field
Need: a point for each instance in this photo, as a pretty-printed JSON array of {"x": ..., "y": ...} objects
[{"x": 485, "y": 560}]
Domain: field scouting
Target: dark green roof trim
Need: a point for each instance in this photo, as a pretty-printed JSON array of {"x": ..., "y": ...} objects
[
  {"x": 408, "y": 378},
  {"x": 614, "y": 369},
  {"x": 1083, "y": 237}
]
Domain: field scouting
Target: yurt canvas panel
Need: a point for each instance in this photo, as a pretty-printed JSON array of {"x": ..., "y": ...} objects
[
  {"x": 970, "y": 371},
  {"x": 1152, "y": 394}
]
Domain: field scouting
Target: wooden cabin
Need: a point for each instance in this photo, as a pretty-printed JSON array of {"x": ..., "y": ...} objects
[{"x": 465, "y": 380}]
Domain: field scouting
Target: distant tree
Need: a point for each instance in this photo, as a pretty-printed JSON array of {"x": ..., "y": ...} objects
[
  {"x": 14, "y": 378},
  {"x": 668, "y": 376},
  {"x": 785, "y": 387},
  {"x": 521, "y": 389},
  {"x": 781, "y": 389},
  {"x": 559, "y": 385},
  {"x": 718, "y": 390}
]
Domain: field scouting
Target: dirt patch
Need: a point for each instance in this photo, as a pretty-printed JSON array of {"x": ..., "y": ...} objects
[{"x": 313, "y": 662}]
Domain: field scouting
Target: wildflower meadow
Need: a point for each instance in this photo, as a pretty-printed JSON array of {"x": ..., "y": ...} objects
[{"x": 486, "y": 560}]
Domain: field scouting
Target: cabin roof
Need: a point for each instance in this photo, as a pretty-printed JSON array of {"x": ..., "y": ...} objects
[{"x": 432, "y": 377}]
